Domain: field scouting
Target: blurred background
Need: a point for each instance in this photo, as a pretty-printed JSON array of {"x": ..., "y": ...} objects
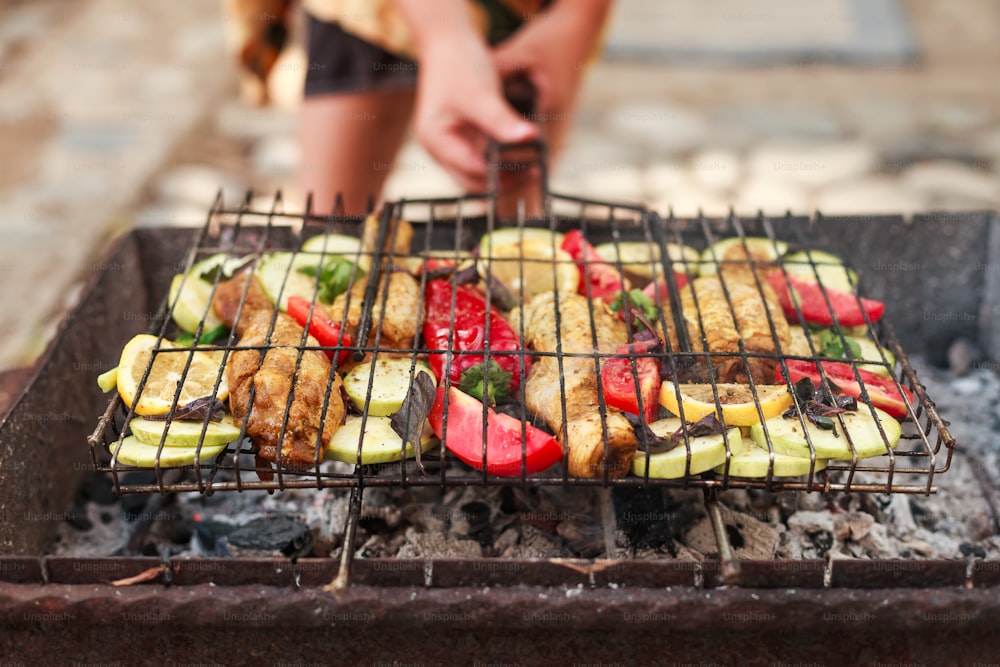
[{"x": 114, "y": 115}]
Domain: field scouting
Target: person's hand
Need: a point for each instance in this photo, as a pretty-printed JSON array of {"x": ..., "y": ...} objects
[
  {"x": 552, "y": 49},
  {"x": 460, "y": 106}
]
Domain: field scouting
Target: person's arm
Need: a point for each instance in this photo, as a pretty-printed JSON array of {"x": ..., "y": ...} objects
[{"x": 460, "y": 103}]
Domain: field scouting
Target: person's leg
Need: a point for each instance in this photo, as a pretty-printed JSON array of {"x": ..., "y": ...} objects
[
  {"x": 349, "y": 142},
  {"x": 357, "y": 107}
]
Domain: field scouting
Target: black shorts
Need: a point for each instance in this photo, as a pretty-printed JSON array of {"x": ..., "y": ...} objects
[{"x": 340, "y": 62}]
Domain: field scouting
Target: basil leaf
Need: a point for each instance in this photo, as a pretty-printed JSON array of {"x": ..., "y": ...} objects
[
  {"x": 707, "y": 425},
  {"x": 196, "y": 410},
  {"x": 649, "y": 442},
  {"x": 408, "y": 421}
]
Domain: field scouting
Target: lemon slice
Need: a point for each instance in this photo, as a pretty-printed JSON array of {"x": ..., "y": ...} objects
[
  {"x": 166, "y": 372},
  {"x": 736, "y": 400},
  {"x": 532, "y": 265},
  {"x": 707, "y": 452},
  {"x": 643, "y": 259}
]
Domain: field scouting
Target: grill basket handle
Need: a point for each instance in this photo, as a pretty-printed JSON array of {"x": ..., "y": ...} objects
[{"x": 519, "y": 172}]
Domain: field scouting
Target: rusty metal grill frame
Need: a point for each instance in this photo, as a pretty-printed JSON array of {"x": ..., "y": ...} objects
[{"x": 910, "y": 468}]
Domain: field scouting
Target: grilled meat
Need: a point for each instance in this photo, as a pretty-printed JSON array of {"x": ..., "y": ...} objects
[
  {"x": 397, "y": 240},
  {"x": 400, "y": 318},
  {"x": 718, "y": 324},
  {"x": 269, "y": 378},
  {"x": 576, "y": 380}
]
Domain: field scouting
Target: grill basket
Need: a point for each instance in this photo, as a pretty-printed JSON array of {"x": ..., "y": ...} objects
[{"x": 450, "y": 228}]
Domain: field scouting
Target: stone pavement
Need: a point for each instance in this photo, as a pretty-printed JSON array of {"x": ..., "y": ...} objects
[{"x": 117, "y": 115}]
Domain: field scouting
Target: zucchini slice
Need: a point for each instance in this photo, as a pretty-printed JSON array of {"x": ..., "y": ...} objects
[
  {"x": 862, "y": 430},
  {"x": 190, "y": 299},
  {"x": 707, "y": 452},
  {"x": 390, "y": 384},
  {"x": 755, "y": 462},
  {"x": 379, "y": 443},
  {"x": 184, "y": 433},
  {"x": 132, "y": 452},
  {"x": 829, "y": 269},
  {"x": 642, "y": 260}
]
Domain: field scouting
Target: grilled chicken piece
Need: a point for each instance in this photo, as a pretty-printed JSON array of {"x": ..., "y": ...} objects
[
  {"x": 399, "y": 320},
  {"x": 717, "y": 324},
  {"x": 397, "y": 240},
  {"x": 270, "y": 378},
  {"x": 585, "y": 427}
]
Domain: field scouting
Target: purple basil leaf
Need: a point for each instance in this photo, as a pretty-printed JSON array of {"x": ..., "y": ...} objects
[
  {"x": 649, "y": 442},
  {"x": 707, "y": 425},
  {"x": 408, "y": 421},
  {"x": 196, "y": 410},
  {"x": 500, "y": 296}
]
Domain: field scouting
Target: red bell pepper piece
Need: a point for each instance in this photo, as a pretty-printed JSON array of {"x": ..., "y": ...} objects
[
  {"x": 467, "y": 319},
  {"x": 603, "y": 279},
  {"x": 882, "y": 391},
  {"x": 659, "y": 288},
  {"x": 504, "y": 437},
  {"x": 326, "y": 332},
  {"x": 847, "y": 309},
  {"x": 619, "y": 382}
]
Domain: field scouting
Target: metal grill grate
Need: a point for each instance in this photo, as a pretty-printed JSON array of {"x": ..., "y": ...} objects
[{"x": 450, "y": 229}]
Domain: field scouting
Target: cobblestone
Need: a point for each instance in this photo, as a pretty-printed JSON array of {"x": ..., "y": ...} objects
[{"x": 942, "y": 179}]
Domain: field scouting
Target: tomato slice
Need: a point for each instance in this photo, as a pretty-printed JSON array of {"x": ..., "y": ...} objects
[
  {"x": 464, "y": 437},
  {"x": 326, "y": 332},
  {"x": 883, "y": 391},
  {"x": 847, "y": 309},
  {"x": 603, "y": 279},
  {"x": 619, "y": 383}
]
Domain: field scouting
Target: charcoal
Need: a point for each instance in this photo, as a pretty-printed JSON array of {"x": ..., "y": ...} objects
[
  {"x": 853, "y": 526},
  {"x": 526, "y": 541},
  {"x": 426, "y": 545},
  {"x": 811, "y": 522},
  {"x": 99, "y": 489},
  {"x": 477, "y": 514},
  {"x": 642, "y": 516},
  {"x": 877, "y": 543},
  {"x": 972, "y": 550},
  {"x": 270, "y": 535},
  {"x": 583, "y": 536},
  {"x": 77, "y": 517}
]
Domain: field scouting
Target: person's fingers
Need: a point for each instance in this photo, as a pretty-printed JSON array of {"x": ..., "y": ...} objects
[
  {"x": 460, "y": 156},
  {"x": 497, "y": 119}
]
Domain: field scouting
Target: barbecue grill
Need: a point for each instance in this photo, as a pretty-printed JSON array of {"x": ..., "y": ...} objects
[
  {"x": 449, "y": 229},
  {"x": 527, "y": 611}
]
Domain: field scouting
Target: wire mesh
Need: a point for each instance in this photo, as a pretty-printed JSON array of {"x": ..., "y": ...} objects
[{"x": 638, "y": 244}]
